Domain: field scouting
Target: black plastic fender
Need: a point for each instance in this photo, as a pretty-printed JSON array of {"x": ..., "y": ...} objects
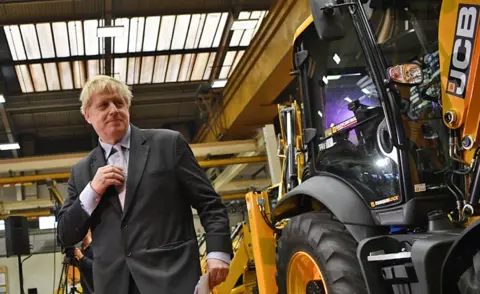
[
  {"x": 338, "y": 196},
  {"x": 461, "y": 258}
]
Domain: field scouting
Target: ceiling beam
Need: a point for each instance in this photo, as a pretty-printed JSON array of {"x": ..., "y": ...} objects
[
  {"x": 107, "y": 58},
  {"x": 143, "y": 94},
  {"x": 8, "y": 128},
  {"x": 261, "y": 75},
  {"x": 117, "y": 55},
  {"x": 65, "y": 175},
  {"x": 68, "y": 160}
]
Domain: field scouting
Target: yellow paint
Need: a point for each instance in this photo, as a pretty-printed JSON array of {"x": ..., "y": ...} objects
[
  {"x": 466, "y": 109},
  {"x": 264, "y": 244},
  {"x": 302, "y": 269}
]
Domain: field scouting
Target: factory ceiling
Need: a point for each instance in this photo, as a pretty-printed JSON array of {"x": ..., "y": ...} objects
[{"x": 164, "y": 51}]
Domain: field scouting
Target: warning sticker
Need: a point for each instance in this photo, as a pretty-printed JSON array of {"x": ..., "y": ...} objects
[{"x": 384, "y": 201}]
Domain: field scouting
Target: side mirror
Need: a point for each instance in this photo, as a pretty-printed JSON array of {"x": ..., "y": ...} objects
[
  {"x": 406, "y": 74},
  {"x": 328, "y": 20}
]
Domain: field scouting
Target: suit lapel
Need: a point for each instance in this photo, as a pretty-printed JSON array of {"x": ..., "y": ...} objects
[
  {"x": 98, "y": 161},
  {"x": 136, "y": 164}
]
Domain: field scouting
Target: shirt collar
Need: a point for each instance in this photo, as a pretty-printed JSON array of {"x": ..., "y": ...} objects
[{"x": 124, "y": 142}]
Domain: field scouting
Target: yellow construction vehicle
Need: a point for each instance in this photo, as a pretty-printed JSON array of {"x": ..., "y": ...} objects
[{"x": 381, "y": 181}]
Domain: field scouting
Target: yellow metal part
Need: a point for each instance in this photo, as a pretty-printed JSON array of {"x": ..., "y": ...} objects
[
  {"x": 241, "y": 266},
  {"x": 29, "y": 214},
  {"x": 63, "y": 161},
  {"x": 263, "y": 241},
  {"x": 301, "y": 270},
  {"x": 260, "y": 77},
  {"x": 459, "y": 48}
]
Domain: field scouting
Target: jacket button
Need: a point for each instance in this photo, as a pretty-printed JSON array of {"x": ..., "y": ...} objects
[
  {"x": 125, "y": 227},
  {"x": 129, "y": 254}
]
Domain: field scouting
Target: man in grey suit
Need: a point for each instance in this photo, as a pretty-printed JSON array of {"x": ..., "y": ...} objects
[{"x": 135, "y": 192}]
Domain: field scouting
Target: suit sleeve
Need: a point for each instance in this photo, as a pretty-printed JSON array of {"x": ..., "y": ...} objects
[
  {"x": 73, "y": 220},
  {"x": 203, "y": 197}
]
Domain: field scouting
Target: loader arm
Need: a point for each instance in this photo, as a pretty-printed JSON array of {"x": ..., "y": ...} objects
[{"x": 459, "y": 66}]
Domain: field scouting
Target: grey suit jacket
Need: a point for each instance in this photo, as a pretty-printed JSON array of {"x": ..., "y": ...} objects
[{"x": 153, "y": 239}]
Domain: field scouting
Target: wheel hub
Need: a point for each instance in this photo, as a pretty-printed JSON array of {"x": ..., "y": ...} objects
[
  {"x": 315, "y": 287},
  {"x": 303, "y": 274}
]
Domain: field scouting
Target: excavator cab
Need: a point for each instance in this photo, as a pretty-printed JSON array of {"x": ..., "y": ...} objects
[
  {"x": 374, "y": 143},
  {"x": 372, "y": 115}
]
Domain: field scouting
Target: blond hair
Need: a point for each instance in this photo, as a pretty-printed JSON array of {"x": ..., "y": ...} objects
[{"x": 100, "y": 84}]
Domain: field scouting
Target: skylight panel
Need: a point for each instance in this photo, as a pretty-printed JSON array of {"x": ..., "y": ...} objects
[
  {"x": 160, "y": 69},
  {"x": 147, "y": 69},
  {"x": 65, "y": 75},
  {"x": 51, "y": 75},
  {"x": 152, "y": 24},
  {"x": 173, "y": 68},
  {"x": 209, "y": 30},
  {"x": 45, "y": 39},
  {"x": 221, "y": 27},
  {"x": 91, "y": 40},
  {"x": 180, "y": 33},
  {"x": 238, "y": 57},
  {"x": 208, "y": 69},
  {"x": 30, "y": 41},
  {"x": 199, "y": 66},
  {"x": 120, "y": 69},
  {"x": 14, "y": 41},
  {"x": 75, "y": 32},
  {"x": 227, "y": 64},
  {"x": 196, "y": 24},
  {"x": 236, "y": 38},
  {"x": 24, "y": 79},
  {"x": 78, "y": 74},
  {"x": 133, "y": 74},
  {"x": 136, "y": 34},
  {"x": 92, "y": 68},
  {"x": 244, "y": 15},
  {"x": 246, "y": 38},
  {"x": 121, "y": 43},
  {"x": 38, "y": 77},
  {"x": 255, "y": 14},
  {"x": 60, "y": 37},
  {"x": 166, "y": 32},
  {"x": 186, "y": 67}
]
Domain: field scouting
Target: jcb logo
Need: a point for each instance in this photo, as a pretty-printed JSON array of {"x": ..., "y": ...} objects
[{"x": 463, "y": 46}]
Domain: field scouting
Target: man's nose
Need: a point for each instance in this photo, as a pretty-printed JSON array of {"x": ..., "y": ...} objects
[{"x": 112, "y": 108}]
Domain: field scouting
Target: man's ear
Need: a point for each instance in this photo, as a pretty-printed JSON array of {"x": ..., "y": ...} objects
[{"x": 87, "y": 117}]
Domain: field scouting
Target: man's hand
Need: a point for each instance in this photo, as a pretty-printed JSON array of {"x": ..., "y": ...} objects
[
  {"x": 107, "y": 176},
  {"x": 78, "y": 254},
  {"x": 217, "y": 272}
]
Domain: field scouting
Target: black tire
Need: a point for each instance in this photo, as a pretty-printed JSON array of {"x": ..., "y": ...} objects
[{"x": 329, "y": 244}]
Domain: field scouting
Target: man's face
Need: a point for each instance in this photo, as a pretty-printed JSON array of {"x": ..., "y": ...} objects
[{"x": 109, "y": 116}]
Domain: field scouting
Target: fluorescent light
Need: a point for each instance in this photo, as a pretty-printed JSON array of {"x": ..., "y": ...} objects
[
  {"x": 347, "y": 99},
  {"x": 219, "y": 83},
  {"x": 244, "y": 25},
  {"x": 334, "y": 77},
  {"x": 2, "y": 99},
  {"x": 9, "y": 146},
  {"x": 336, "y": 58},
  {"x": 366, "y": 91},
  {"x": 325, "y": 80},
  {"x": 110, "y": 31}
]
